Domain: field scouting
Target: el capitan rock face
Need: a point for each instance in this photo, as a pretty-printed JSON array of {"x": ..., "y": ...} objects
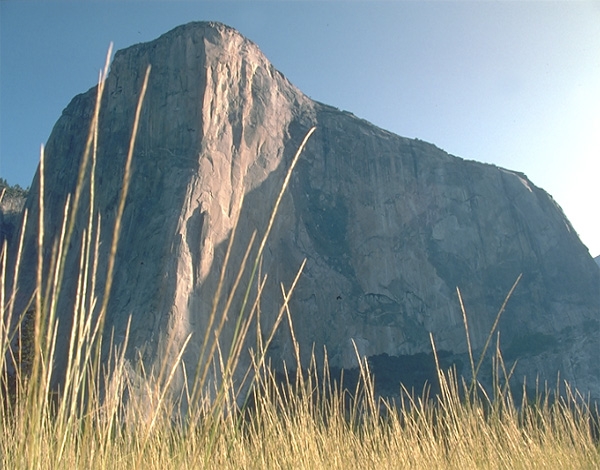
[{"x": 389, "y": 226}]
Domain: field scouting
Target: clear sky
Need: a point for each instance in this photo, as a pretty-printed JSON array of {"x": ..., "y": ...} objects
[{"x": 512, "y": 83}]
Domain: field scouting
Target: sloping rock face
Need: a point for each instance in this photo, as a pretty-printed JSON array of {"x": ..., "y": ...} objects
[{"x": 389, "y": 226}]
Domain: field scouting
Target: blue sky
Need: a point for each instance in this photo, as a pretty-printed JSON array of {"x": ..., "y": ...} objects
[{"x": 512, "y": 83}]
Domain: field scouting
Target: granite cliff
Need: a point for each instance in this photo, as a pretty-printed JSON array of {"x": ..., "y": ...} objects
[{"x": 389, "y": 226}]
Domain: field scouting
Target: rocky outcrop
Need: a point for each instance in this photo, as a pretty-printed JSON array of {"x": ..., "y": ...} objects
[
  {"x": 389, "y": 226},
  {"x": 11, "y": 208}
]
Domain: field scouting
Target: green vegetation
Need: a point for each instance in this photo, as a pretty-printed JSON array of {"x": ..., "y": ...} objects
[
  {"x": 303, "y": 420},
  {"x": 530, "y": 345},
  {"x": 12, "y": 191}
]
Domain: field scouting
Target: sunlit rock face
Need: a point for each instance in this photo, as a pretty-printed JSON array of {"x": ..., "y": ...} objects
[{"x": 389, "y": 226}]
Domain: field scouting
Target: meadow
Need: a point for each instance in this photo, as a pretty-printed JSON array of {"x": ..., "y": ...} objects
[{"x": 306, "y": 419}]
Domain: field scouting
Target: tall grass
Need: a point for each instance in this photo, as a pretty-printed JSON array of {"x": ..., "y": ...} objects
[{"x": 303, "y": 419}]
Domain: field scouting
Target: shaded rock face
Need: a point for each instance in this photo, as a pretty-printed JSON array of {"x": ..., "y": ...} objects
[{"x": 389, "y": 226}]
